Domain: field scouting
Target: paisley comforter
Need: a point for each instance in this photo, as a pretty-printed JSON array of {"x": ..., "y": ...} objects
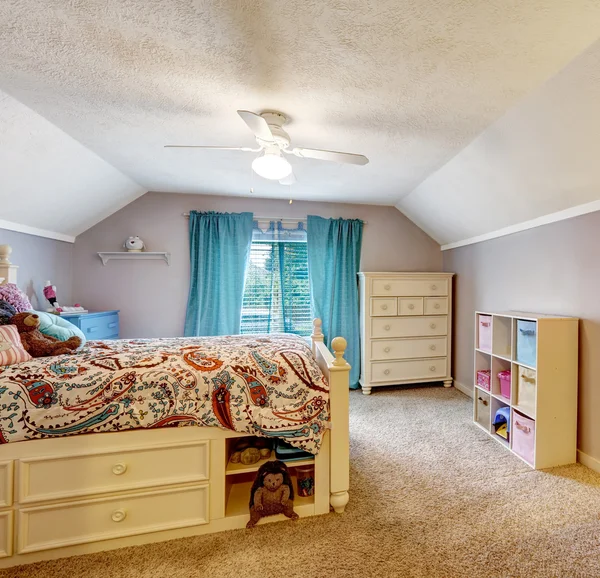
[{"x": 264, "y": 385}]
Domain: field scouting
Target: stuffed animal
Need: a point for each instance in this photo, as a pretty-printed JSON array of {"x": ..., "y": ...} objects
[
  {"x": 36, "y": 343},
  {"x": 272, "y": 493},
  {"x": 6, "y": 312}
]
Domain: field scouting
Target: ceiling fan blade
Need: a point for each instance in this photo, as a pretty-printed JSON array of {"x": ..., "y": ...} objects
[
  {"x": 334, "y": 156},
  {"x": 245, "y": 149},
  {"x": 257, "y": 124},
  {"x": 289, "y": 180}
]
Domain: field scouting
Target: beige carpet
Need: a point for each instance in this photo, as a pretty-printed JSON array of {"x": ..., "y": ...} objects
[{"x": 431, "y": 496}]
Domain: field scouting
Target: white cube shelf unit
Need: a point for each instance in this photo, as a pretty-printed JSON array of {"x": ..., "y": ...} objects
[{"x": 541, "y": 352}]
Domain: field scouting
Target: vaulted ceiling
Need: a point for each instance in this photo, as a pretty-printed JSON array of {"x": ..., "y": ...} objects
[{"x": 95, "y": 88}]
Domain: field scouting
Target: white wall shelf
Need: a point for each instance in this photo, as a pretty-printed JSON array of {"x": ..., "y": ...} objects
[
  {"x": 126, "y": 255},
  {"x": 552, "y": 370}
]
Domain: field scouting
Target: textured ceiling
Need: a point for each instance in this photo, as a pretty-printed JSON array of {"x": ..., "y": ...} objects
[
  {"x": 409, "y": 83},
  {"x": 541, "y": 157}
]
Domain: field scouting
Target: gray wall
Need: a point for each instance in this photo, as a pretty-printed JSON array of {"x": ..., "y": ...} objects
[
  {"x": 152, "y": 296},
  {"x": 551, "y": 269},
  {"x": 40, "y": 259}
]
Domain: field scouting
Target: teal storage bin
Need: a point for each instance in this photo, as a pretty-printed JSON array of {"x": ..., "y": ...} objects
[{"x": 526, "y": 342}]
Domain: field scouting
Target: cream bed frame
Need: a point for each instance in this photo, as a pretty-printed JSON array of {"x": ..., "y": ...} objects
[{"x": 94, "y": 492}]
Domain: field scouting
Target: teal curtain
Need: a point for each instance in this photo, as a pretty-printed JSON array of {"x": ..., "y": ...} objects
[
  {"x": 333, "y": 263},
  {"x": 219, "y": 249}
]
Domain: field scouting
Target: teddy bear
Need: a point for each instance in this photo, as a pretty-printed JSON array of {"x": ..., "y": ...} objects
[
  {"x": 272, "y": 493},
  {"x": 36, "y": 343}
]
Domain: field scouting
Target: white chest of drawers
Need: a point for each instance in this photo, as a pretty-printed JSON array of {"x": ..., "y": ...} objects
[{"x": 406, "y": 328}]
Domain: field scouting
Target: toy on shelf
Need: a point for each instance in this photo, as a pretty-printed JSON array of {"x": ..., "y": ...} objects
[
  {"x": 50, "y": 295},
  {"x": 272, "y": 493},
  {"x": 502, "y": 422},
  {"x": 134, "y": 245},
  {"x": 306, "y": 480},
  {"x": 484, "y": 378},
  {"x": 250, "y": 450}
]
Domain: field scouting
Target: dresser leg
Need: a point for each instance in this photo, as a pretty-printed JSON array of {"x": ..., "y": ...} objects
[
  {"x": 366, "y": 390},
  {"x": 448, "y": 383}
]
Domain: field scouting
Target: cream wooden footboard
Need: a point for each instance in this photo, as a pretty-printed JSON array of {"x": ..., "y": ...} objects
[{"x": 94, "y": 492}]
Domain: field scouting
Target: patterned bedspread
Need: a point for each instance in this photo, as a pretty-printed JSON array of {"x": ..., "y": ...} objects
[{"x": 264, "y": 385}]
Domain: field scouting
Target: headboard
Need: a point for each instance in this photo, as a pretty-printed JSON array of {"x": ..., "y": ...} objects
[{"x": 8, "y": 271}]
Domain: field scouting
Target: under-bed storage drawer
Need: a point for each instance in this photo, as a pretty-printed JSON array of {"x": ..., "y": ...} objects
[
  {"x": 412, "y": 369},
  {"x": 6, "y": 484},
  {"x": 66, "y": 524},
  {"x": 408, "y": 348},
  {"x": 409, "y": 287},
  {"x": 87, "y": 474},
  {"x": 408, "y": 326},
  {"x": 6, "y": 534}
]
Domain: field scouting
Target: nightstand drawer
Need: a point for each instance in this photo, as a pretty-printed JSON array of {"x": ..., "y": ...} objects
[{"x": 100, "y": 327}]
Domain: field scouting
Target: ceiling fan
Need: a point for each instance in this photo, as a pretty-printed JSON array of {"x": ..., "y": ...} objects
[{"x": 272, "y": 142}]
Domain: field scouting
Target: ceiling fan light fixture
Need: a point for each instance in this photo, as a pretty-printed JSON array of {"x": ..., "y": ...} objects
[{"x": 271, "y": 166}]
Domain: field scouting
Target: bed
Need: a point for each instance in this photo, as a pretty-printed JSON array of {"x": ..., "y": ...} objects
[{"x": 128, "y": 441}]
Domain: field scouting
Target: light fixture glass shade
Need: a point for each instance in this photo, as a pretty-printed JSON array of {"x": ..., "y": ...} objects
[{"x": 272, "y": 166}]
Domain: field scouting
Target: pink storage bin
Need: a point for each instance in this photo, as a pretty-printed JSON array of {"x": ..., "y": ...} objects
[
  {"x": 504, "y": 378},
  {"x": 485, "y": 332},
  {"x": 484, "y": 378},
  {"x": 523, "y": 437}
]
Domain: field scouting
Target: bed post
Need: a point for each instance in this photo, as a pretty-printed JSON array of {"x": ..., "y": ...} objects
[
  {"x": 8, "y": 271},
  {"x": 337, "y": 371}
]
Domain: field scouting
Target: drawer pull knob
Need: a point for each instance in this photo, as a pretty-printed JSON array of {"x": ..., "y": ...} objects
[
  {"x": 112, "y": 325},
  {"x": 432, "y": 368},
  {"x": 436, "y": 306},
  {"x": 433, "y": 325},
  {"x": 411, "y": 306},
  {"x": 119, "y": 469},
  {"x": 387, "y": 327},
  {"x": 118, "y": 515},
  {"x": 483, "y": 401},
  {"x": 433, "y": 287},
  {"x": 387, "y": 372},
  {"x": 387, "y": 350},
  {"x": 432, "y": 347},
  {"x": 384, "y": 307},
  {"x": 387, "y": 287}
]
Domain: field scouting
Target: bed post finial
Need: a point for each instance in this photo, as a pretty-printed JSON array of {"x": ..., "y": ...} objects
[
  {"x": 317, "y": 333},
  {"x": 8, "y": 271},
  {"x": 5, "y": 251},
  {"x": 339, "y": 345}
]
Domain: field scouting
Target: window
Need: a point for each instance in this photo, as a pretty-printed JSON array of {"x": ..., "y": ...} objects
[{"x": 277, "y": 293}]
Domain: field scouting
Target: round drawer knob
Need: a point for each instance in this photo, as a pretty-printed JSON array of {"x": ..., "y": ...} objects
[
  {"x": 384, "y": 307},
  {"x": 432, "y": 368},
  {"x": 387, "y": 349},
  {"x": 432, "y": 347},
  {"x": 118, "y": 515},
  {"x": 411, "y": 306},
  {"x": 119, "y": 469},
  {"x": 387, "y": 287},
  {"x": 387, "y": 327},
  {"x": 433, "y": 287},
  {"x": 436, "y": 306},
  {"x": 432, "y": 325},
  {"x": 387, "y": 372}
]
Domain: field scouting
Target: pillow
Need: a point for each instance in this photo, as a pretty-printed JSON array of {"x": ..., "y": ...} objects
[
  {"x": 13, "y": 295},
  {"x": 11, "y": 348},
  {"x": 59, "y": 327}
]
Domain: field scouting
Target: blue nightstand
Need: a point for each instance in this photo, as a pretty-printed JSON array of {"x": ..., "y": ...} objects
[{"x": 96, "y": 324}]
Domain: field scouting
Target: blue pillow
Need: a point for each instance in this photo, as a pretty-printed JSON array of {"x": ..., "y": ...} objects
[{"x": 57, "y": 326}]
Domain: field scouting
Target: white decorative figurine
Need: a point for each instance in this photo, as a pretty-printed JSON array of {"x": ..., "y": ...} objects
[{"x": 134, "y": 245}]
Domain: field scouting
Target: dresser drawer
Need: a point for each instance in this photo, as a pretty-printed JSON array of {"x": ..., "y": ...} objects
[
  {"x": 99, "y": 473},
  {"x": 410, "y": 306},
  {"x": 6, "y": 534},
  {"x": 6, "y": 484},
  {"x": 436, "y": 305},
  {"x": 55, "y": 526},
  {"x": 384, "y": 307},
  {"x": 412, "y": 369},
  {"x": 100, "y": 327},
  {"x": 409, "y": 287},
  {"x": 408, "y": 348},
  {"x": 409, "y": 326}
]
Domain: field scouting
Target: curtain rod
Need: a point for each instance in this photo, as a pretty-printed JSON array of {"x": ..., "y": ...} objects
[{"x": 281, "y": 219}]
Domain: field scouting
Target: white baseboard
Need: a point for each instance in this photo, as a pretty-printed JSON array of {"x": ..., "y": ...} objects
[
  {"x": 588, "y": 461},
  {"x": 463, "y": 388}
]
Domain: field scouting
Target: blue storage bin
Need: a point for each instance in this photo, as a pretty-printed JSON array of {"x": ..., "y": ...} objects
[{"x": 526, "y": 342}]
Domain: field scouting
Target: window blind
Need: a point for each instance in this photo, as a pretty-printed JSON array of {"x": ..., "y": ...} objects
[{"x": 276, "y": 292}]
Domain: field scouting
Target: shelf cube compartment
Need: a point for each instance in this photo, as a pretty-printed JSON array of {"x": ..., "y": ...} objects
[
  {"x": 502, "y": 332},
  {"x": 501, "y": 378},
  {"x": 484, "y": 332},
  {"x": 483, "y": 409},
  {"x": 526, "y": 342},
  {"x": 500, "y": 419},
  {"x": 483, "y": 368},
  {"x": 523, "y": 439},
  {"x": 526, "y": 384}
]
